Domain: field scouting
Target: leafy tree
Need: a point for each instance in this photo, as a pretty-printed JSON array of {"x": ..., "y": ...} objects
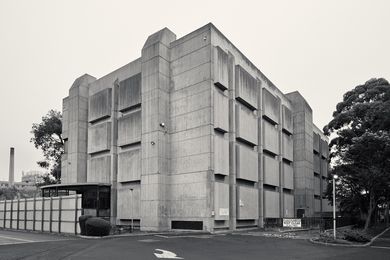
[
  {"x": 47, "y": 137},
  {"x": 361, "y": 148}
]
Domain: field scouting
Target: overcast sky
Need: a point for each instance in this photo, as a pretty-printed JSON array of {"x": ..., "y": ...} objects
[{"x": 320, "y": 48}]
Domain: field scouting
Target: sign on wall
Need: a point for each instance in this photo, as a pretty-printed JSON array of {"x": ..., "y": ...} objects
[{"x": 292, "y": 222}]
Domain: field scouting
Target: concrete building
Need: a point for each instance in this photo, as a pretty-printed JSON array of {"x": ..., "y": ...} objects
[{"x": 192, "y": 135}]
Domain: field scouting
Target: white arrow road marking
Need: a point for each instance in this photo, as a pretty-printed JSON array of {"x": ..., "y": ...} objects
[{"x": 166, "y": 254}]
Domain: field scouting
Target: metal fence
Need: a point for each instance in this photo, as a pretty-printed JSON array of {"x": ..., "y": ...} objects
[
  {"x": 322, "y": 223},
  {"x": 52, "y": 214}
]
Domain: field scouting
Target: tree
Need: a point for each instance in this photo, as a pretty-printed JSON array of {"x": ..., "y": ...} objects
[
  {"x": 47, "y": 137},
  {"x": 361, "y": 149}
]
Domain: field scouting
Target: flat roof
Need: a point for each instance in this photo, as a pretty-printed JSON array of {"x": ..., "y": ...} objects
[{"x": 74, "y": 185}]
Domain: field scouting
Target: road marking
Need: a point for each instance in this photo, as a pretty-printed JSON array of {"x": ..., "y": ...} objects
[
  {"x": 166, "y": 254},
  {"x": 24, "y": 240},
  {"x": 381, "y": 247},
  {"x": 148, "y": 240},
  {"x": 30, "y": 241}
]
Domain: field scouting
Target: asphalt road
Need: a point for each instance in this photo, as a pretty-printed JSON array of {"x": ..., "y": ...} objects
[{"x": 232, "y": 246}]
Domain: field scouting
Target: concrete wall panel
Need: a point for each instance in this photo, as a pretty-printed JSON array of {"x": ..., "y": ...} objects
[
  {"x": 100, "y": 105},
  {"x": 270, "y": 106},
  {"x": 129, "y": 166},
  {"x": 221, "y": 111},
  {"x": 324, "y": 185},
  {"x": 247, "y": 203},
  {"x": 288, "y": 205},
  {"x": 324, "y": 149},
  {"x": 326, "y": 205},
  {"x": 221, "y": 155},
  {"x": 271, "y": 204},
  {"x": 324, "y": 167},
  {"x": 65, "y": 118},
  {"x": 317, "y": 185},
  {"x": 129, "y": 202},
  {"x": 129, "y": 128},
  {"x": 288, "y": 148},
  {"x": 130, "y": 92},
  {"x": 246, "y": 124},
  {"x": 316, "y": 163},
  {"x": 316, "y": 142},
  {"x": 246, "y": 88},
  {"x": 221, "y": 201},
  {"x": 99, "y": 169},
  {"x": 270, "y": 137},
  {"x": 247, "y": 163},
  {"x": 99, "y": 137},
  {"x": 271, "y": 170},
  {"x": 221, "y": 78},
  {"x": 287, "y": 120},
  {"x": 288, "y": 173},
  {"x": 317, "y": 205}
]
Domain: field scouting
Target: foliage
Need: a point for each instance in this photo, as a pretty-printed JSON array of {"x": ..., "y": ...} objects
[
  {"x": 361, "y": 148},
  {"x": 47, "y": 137},
  {"x": 10, "y": 193},
  {"x": 355, "y": 235},
  {"x": 97, "y": 227}
]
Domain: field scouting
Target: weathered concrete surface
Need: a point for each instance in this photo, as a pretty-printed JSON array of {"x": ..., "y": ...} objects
[
  {"x": 247, "y": 163},
  {"x": 247, "y": 205},
  {"x": 246, "y": 88},
  {"x": 288, "y": 172},
  {"x": 221, "y": 201},
  {"x": 287, "y": 120},
  {"x": 99, "y": 138},
  {"x": 99, "y": 169},
  {"x": 271, "y": 170},
  {"x": 221, "y": 111},
  {"x": 221, "y": 155},
  {"x": 303, "y": 154},
  {"x": 130, "y": 92},
  {"x": 100, "y": 105},
  {"x": 221, "y": 74},
  {"x": 75, "y": 127},
  {"x": 288, "y": 150},
  {"x": 288, "y": 205},
  {"x": 270, "y": 137},
  {"x": 246, "y": 123},
  {"x": 271, "y": 204},
  {"x": 129, "y": 165},
  {"x": 129, "y": 128},
  {"x": 271, "y": 108},
  {"x": 190, "y": 127}
]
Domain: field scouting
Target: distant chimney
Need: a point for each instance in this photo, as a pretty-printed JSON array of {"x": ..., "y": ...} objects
[{"x": 11, "y": 166}]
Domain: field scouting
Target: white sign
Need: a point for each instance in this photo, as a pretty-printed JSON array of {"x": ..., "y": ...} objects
[
  {"x": 166, "y": 254},
  {"x": 292, "y": 222},
  {"x": 224, "y": 211}
]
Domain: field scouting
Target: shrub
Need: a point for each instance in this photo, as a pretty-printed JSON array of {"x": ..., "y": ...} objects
[
  {"x": 354, "y": 235},
  {"x": 97, "y": 227},
  {"x": 82, "y": 220}
]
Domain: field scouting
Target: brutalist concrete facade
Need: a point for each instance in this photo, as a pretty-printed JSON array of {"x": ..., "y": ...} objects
[{"x": 193, "y": 135}]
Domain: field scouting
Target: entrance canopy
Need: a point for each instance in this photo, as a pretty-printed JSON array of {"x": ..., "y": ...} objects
[{"x": 95, "y": 196}]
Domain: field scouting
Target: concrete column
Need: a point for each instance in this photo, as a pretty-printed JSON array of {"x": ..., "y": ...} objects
[
  {"x": 11, "y": 166},
  {"x": 114, "y": 154},
  {"x": 75, "y": 168},
  {"x": 155, "y": 130},
  {"x": 303, "y": 154},
  {"x": 232, "y": 145},
  {"x": 260, "y": 222}
]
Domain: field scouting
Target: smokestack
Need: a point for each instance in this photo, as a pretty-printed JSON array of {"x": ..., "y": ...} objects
[{"x": 11, "y": 166}]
